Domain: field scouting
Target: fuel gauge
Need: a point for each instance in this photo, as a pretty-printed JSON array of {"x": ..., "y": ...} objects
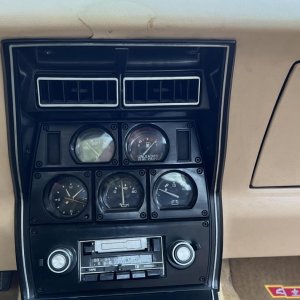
[{"x": 146, "y": 143}]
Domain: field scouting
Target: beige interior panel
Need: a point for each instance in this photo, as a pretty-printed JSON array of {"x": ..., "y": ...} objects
[
  {"x": 279, "y": 160},
  {"x": 260, "y": 222}
]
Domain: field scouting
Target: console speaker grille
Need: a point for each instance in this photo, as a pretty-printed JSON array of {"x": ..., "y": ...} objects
[{"x": 77, "y": 92}]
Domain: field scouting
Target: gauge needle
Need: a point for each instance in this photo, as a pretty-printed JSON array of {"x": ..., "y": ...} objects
[
  {"x": 171, "y": 194},
  {"x": 149, "y": 148},
  {"x": 70, "y": 199},
  {"x": 93, "y": 149},
  {"x": 68, "y": 193},
  {"x": 77, "y": 193},
  {"x": 123, "y": 198}
]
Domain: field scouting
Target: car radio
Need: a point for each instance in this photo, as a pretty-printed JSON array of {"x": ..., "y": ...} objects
[{"x": 115, "y": 259}]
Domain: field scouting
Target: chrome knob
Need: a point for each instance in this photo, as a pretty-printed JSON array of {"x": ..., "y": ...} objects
[
  {"x": 60, "y": 260},
  {"x": 182, "y": 254}
]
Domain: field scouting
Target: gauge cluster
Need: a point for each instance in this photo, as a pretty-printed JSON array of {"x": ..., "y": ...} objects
[
  {"x": 142, "y": 194},
  {"x": 116, "y": 171},
  {"x": 85, "y": 145}
]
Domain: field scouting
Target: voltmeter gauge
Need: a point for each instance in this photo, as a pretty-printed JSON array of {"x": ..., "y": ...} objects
[
  {"x": 121, "y": 192},
  {"x": 146, "y": 143},
  {"x": 174, "y": 190},
  {"x": 67, "y": 197},
  {"x": 94, "y": 145}
]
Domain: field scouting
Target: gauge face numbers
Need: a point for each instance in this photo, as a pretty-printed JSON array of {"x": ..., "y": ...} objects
[
  {"x": 121, "y": 192},
  {"x": 68, "y": 197},
  {"x": 174, "y": 190},
  {"x": 94, "y": 145},
  {"x": 146, "y": 143}
]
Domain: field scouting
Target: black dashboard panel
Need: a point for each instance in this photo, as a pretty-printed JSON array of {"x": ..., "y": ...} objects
[{"x": 118, "y": 156}]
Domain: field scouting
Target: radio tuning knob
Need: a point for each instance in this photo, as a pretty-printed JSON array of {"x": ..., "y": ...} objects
[
  {"x": 60, "y": 260},
  {"x": 181, "y": 254}
]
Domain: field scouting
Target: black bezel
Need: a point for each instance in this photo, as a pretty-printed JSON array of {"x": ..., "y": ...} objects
[
  {"x": 137, "y": 127},
  {"x": 194, "y": 191},
  {"x": 169, "y": 130},
  {"x": 200, "y": 208},
  {"x": 48, "y": 204},
  {"x": 104, "y": 215},
  {"x": 41, "y": 183},
  {"x": 90, "y": 127}
]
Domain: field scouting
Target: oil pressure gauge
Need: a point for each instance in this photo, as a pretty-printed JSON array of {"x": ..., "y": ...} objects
[{"x": 146, "y": 143}]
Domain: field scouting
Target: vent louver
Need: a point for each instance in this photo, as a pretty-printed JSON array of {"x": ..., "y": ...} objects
[
  {"x": 161, "y": 91},
  {"x": 77, "y": 92}
]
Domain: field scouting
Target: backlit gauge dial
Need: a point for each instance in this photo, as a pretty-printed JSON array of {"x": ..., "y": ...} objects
[
  {"x": 121, "y": 192},
  {"x": 174, "y": 190},
  {"x": 146, "y": 143},
  {"x": 68, "y": 197},
  {"x": 94, "y": 145}
]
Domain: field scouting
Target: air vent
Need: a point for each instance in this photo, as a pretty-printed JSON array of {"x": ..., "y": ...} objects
[
  {"x": 161, "y": 91},
  {"x": 77, "y": 92}
]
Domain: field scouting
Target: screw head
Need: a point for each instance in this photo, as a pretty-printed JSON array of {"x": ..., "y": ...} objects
[
  {"x": 113, "y": 126},
  {"x": 154, "y": 215},
  {"x": 98, "y": 173},
  {"x": 125, "y": 161},
  {"x": 87, "y": 174},
  {"x": 99, "y": 217},
  {"x": 143, "y": 215},
  {"x": 153, "y": 172},
  {"x": 38, "y": 164},
  {"x": 114, "y": 162},
  {"x": 205, "y": 224},
  {"x": 142, "y": 172},
  {"x": 124, "y": 126},
  {"x": 200, "y": 171},
  {"x": 37, "y": 175},
  {"x": 204, "y": 213},
  {"x": 198, "y": 160}
]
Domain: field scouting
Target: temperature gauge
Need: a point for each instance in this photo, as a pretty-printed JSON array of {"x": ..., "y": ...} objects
[
  {"x": 121, "y": 192},
  {"x": 174, "y": 190}
]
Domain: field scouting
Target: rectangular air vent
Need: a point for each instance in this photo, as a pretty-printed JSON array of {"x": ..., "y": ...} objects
[
  {"x": 161, "y": 91},
  {"x": 77, "y": 92}
]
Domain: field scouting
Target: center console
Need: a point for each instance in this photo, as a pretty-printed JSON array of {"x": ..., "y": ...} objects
[{"x": 117, "y": 157}]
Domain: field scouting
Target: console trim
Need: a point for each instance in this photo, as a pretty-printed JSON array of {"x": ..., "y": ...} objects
[{"x": 142, "y": 43}]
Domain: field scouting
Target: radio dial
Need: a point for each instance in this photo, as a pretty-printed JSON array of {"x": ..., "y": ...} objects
[
  {"x": 182, "y": 254},
  {"x": 60, "y": 260}
]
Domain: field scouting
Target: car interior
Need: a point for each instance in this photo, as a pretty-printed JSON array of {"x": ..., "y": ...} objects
[{"x": 149, "y": 150}]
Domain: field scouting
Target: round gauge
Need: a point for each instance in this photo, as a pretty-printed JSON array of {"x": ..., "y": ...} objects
[
  {"x": 174, "y": 190},
  {"x": 146, "y": 143},
  {"x": 121, "y": 192},
  {"x": 94, "y": 145},
  {"x": 68, "y": 197}
]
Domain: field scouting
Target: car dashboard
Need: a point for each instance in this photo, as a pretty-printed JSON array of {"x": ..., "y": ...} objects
[{"x": 145, "y": 143}]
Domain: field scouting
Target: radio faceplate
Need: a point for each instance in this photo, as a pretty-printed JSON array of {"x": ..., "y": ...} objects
[{"x": 126, "y": 258}]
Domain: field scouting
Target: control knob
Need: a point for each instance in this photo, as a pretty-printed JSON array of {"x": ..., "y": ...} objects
[
  {"x": 61, "y": 260},
  {"x": 181, "y": 254}
]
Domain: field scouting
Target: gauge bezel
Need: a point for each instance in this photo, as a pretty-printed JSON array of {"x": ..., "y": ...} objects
[
  {"x": 48, "y": 204},
  {"x": 194, "y": 191},
  {"x": 103, "y": 214},
  {"x": 41, "y": 186},
  {"x": 81, "y": 130},
  {"x": 200, "y": 208},
  {"x": 140, "y": 126}
]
